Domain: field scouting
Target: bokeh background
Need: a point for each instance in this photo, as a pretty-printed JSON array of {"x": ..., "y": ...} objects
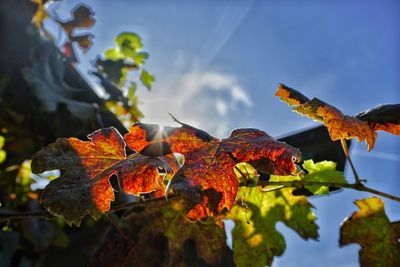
[{"x": 218, "y": 63}]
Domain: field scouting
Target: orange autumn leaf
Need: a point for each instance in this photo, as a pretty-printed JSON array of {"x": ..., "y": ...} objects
[
  {"x": 362, "y": 126},
  {"x": 40, "y": 14},
  {"x": 207, "y": 178},
  {"x": 86, "y": 166}
]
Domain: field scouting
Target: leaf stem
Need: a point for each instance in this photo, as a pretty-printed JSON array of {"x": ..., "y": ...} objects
[{"x": 346, "y": 152}]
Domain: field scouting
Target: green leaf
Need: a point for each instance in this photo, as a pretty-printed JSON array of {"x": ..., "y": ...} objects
[
  {"x": 140, "y": 57},
  {"x": 147, "y": 79},
  {"x": 113, "y": 54},
  {"x": 370, "y": 227},
  {"x": 324, "y": 171},
  {"x": 132, "y": 91},
  {"x": 129, "y": 43},
  {"x": 114, "y": 70},
  {"x": 255, "y": 238},
  {"x": 2, "y": 152}
]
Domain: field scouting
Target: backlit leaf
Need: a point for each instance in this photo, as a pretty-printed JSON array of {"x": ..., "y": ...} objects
[
  {"x": 40, "y": 14},
  {"x": 86, "y": 166},
  {"x": 147, "y": 78},
  {"x": 114, "y": 70},
  {"x": 383, "y": 117},
  {"x": 207, "y": 179},
  {"x": 324, "y": 171},
  {"x": 340, "y": 126},
  {"x": 113, "y": 54},
  {"x": 129, "y": 43},
  {"x": 140, "y": 57},
  {"x": 255, "y": 238},
  {"x": 378, "y": 237},
  {"x": 3, "y": 153}
]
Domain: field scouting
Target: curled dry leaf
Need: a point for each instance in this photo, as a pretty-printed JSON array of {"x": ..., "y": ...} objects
[
  {"x": 378, "y": 237},
  {"x": 362, "y": 126},
  {"x": 86, "y": 166},
  {"x": 383, "y": 117},
  {"x": 207, "y": 179}
]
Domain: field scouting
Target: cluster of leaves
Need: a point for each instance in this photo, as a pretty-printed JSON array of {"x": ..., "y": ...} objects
[
  {"x": 207, "y": 179},
  {"x": 113, "y": 67},
  {"x": 113, "y": 70},
  {"x": 219, "y": 180},
  {"x": 236, "y": 178},
  {"x": 207, "y": 186},
  {"x": 42, "y": 96},
  {"x": 81, "y": 17}
]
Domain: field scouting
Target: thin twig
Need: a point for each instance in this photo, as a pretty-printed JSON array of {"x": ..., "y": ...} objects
[
  {"x": 23, "y": 215},
  {"x": 346, "y": 152}
]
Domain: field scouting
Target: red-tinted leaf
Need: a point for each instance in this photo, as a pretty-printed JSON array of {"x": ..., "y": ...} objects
[
  {"x": 86, "y": 166},
  {"x": 207, "y": 179},
  {"x": 82, "y": 17}
]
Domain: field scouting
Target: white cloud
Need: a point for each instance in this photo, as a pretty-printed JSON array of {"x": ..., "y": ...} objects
[
  {"x": 221, "y": 107},
  {"x": 203, "y": 98}
]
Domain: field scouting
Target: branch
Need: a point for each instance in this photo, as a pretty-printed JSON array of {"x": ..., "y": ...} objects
[
  {"x": 10, "y": 215},
  {"x": 7, "y": 215},
  {"x": 355, "y": 186}
]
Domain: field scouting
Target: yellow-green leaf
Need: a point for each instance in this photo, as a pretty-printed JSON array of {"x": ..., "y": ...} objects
[
  {"x": 147, "y": 79},
  {"x": 255, "y": 238},
  {"x": 324, "y": 171},
  {"x": 378, "y": 237}
]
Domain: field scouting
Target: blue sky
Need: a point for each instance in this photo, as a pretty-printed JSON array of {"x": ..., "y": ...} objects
[{"x": 218, "y": 63}]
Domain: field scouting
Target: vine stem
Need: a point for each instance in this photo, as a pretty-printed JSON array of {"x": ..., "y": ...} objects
[
  {"x": 6, "y": 215},
  {"x": 9, "y": 215},
  {"x": 355, "y": 186}
]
